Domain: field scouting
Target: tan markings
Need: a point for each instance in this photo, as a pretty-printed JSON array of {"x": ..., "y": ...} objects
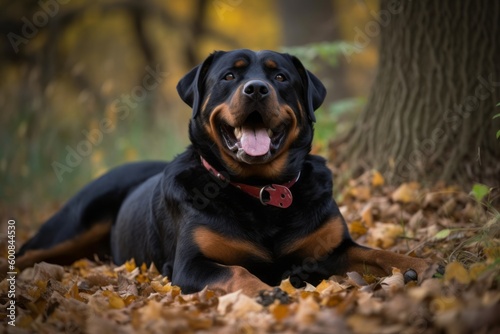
[
  {"x": 241, "y": 279},
  {"x": 270, "y": 63},
  {"x": 204, "y": 106},
  {"x": 232, "y": 114},
  {"x": 240, "y": 63},
  {"x": 321, "y": 242},
  {"x": 301, "y": 110},
  {"x": 86, "y": 244},
  {"x": 381, "y": 262},
  {"x": 225, "y": 250}
]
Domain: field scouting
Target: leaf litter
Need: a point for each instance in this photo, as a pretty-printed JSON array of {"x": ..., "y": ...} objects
[{"x": 443, "y": 224}]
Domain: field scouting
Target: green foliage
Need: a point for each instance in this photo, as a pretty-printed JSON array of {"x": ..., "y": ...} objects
[
  {"x": 479, "y": 191},
  {"x": 329, "y": 52},
  {"x": 442, "y": 234},
  {"x": 328, "y": 118}
]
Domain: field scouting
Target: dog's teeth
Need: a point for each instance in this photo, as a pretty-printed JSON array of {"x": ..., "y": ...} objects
[
  {"x": 237, "y": 132},
  {"x": 270, "y": 133}
]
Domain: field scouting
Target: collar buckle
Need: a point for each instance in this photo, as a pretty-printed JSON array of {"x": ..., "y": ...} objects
[{"x": 276, "y": 195}]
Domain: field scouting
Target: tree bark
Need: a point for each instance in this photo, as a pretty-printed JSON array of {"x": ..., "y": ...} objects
[{"x": 429, "y": 116}]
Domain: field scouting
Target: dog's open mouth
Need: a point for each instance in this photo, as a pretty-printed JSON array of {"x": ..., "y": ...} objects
[{"x": 253, "y": 142}]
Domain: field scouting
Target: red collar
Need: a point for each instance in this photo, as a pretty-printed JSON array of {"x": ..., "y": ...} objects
[{"x": 278, "y": 195}]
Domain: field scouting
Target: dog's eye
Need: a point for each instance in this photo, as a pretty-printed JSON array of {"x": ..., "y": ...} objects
[
  {"x": 280, "y": 77},
  {"x": 229, "y": 77}
]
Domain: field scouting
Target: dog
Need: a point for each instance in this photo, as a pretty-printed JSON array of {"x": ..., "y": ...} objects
[{"x": 244, "y": 207}]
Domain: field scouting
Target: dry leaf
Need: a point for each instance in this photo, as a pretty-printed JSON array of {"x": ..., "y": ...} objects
[
  {"x": 377, "y": 179},
  {"x": 307, "y": 310},
  {"x": 384, "y": 235},
  {"x": 367, "y": 215},
  {"x": 287, "y": 286},
  {"x": 356, "y": 279},
  {"x": 238, "y": 304},
  {"x": 456, "y": 271},
  {"x": 357, "y": 229},
  {"x": 406, "y": 193},
  {"x": 279, "y": 311},
  {"x": 395, "y": 282}
]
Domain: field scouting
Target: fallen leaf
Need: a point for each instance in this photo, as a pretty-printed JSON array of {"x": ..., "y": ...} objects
[
  {"x": 367, "y": 215},
  {"x": 287, "y": 286},
  {"x": 357, "y": 229},
  {"x": 443, "y": 234},
  {"x": 238, "y": 304},
  {"x": 406, "y": 193},
  {"x": 377, "y": 179},
  {"x": 356, "y": 279},
  {"x": 307, "y": 310},
  {"x": 279, "y": 311},
  {"x": 456, "y": 271},
  {"x": 384, "y": 235},
  {"x": 393, "y": 283}
]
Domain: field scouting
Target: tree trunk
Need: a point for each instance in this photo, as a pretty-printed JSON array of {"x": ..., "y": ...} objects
[{"x": 429, "y": 116}]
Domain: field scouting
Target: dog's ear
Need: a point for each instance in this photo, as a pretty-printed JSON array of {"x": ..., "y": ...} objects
[
  {"x": 315, "y": 92},
  {"x": 190, "y": 87}
]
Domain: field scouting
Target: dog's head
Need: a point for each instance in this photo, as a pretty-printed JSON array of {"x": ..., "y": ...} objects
[{"x": 252, "y": 112}]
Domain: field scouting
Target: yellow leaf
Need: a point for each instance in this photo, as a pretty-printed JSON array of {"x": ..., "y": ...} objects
[
  {"x": 287, "y": 286},
  {"x": 129, "y": 299},
  {"x": 142, "y": 278},
  {"x": 476, "y": 270},
  {"x": 81, "y": 264},
  {"x": 130, "y": 265},
  {"x": 456, "y": 271},
  {"x": 158, "y": 287},
  {"x": 322, "y": 286},
  {"x": 279, "y": 311},
  {"x": 492, "y": 253},
  {"x": 144, "y": 268},
  {"x": 115, "y": 301},
  {"x": 357, "y": 228},
  {"x": 384, "y": 235},
  {"x": 74, "y": 293},
  {"x": 406, "y": 193},
  {"x": 377, "y": 179},
  {"x": 361, "y": 192}
]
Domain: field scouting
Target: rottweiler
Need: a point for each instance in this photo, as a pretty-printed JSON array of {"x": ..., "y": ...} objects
[{"x": 244, "y": 207}]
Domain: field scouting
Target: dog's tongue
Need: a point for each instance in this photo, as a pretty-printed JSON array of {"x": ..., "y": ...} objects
[{"x": 255, "y": 141}]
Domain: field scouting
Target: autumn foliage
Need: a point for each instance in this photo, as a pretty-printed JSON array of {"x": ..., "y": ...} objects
[{"x": 444, "y": 224}]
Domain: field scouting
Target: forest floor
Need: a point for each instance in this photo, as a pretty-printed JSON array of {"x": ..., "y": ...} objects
[{"x": 454, "y": 228}]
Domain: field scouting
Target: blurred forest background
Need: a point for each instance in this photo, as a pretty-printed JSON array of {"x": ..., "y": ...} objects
[
  {"x": 68, "y": 70},
  {"x": 90, "y": 84}
]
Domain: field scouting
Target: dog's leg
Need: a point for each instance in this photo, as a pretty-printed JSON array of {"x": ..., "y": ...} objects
[
  {"x": 194, "y": 275},
  {"x": 238, "y": 278},
  {"x": 93, "y": 241},
  {"x": 381, "y": 262}
]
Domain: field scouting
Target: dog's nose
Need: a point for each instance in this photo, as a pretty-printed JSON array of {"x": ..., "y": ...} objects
[{"x": 256, "y": 89}]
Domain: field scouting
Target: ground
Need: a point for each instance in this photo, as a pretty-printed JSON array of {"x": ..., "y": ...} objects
[{"x": 457, "y": 229}]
